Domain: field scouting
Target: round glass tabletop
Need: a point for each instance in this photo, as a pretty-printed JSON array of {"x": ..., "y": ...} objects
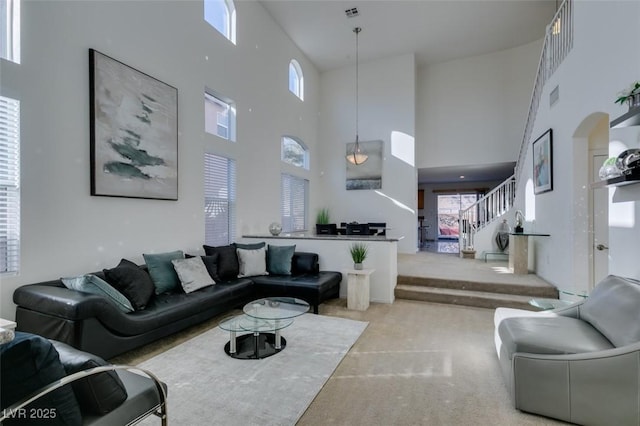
[
  {"x": 240, "y": 323},
  {"x": 276, "y": 308}
]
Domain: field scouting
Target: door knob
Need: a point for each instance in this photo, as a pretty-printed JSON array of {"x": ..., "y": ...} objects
[{"x": 602, "y": 247}]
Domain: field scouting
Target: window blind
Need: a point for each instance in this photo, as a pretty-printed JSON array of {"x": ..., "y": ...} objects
[
  {"x": 219, "y": 200},
  {"x": 9, "y": 185},
  {"x": 294, "y": 203}
]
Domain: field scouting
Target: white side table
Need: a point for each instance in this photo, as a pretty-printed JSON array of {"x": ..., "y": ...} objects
[{"x": 358, "y": 289}]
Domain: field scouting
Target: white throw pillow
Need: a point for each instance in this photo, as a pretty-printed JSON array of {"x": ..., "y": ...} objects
[
  {"x": 252, "y": 262},
  {"x": 192, "y": 273}
]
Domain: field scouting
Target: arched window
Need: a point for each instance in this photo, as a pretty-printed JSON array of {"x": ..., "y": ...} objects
[
  {"x": 296, "y": 79},
  {"x": 221, "y": 15},
  {"x": 294, "y": 152}
]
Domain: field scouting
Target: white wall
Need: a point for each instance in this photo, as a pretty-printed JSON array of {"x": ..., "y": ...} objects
[
  {"x": 598, "y": 67},
  {"x": 472, "y": 110},
  {"x": 66, "y": 231},
  {"x": 387, "y": 112}
]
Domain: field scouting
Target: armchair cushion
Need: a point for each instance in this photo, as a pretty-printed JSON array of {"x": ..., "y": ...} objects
[
  {"x": 30, "y": 362},
  {"x": 550, "y": 335},
  {"x": 97, "y": 394}
]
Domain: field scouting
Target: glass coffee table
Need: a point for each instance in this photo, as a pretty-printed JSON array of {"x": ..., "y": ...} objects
[{"x": 263, "y": 319}]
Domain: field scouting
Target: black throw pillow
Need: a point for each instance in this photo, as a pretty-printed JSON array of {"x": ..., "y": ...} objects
[
  {"x": 97, "y": 394},
  {"x": 228, "y": 266},
  {"x": 211, "y": 263},
  {"x": 132, "y": 281},
  {"x": 29, "y": 363}
]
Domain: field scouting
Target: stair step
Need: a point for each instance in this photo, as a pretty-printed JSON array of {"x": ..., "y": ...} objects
[
  {"x": 480, "y": 299},
  {"x": 485, "y": 287}
]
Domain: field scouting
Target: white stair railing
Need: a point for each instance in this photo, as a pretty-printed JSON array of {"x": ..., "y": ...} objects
[
  {"x": 484, "y": 211},
  {"x": 558, "y": 42}
]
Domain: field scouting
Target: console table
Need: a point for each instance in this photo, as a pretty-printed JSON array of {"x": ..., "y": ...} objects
[{"x": 519, "y": 251}]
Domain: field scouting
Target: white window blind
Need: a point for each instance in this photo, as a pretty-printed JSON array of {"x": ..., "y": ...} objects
[
  {"x": 294, "y": 203},
  {"x": 219, "y": 200},
  {"x": 10, "y": 30},
  {"x": 9, "y": 185}
]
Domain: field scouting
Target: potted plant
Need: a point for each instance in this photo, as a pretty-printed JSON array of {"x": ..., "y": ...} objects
[
  {"x": 322, "y": 223},
  {"x": 631, "y": 96},
  {"x": 358, "y": 254}
]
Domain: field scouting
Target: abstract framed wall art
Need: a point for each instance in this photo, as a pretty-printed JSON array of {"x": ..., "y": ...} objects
[
  {"x": 367, "y": 175},
  {"x": 543, "y": 163},
  {"x": 134, "y": 132}
]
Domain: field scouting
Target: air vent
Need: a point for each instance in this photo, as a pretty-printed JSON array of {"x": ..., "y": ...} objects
[
  {"x": 352, "y": 13},
  {"x": 554, "y": 96}
]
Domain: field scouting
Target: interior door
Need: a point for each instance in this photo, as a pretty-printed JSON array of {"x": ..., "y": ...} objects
[{"x": 600, "y": 224}]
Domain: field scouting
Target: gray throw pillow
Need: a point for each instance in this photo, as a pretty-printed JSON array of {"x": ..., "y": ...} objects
[
  {"x": 161, "y": 270},
  {"x": 252, "y": 262},
  {"x": 94, "y": 285},
  {"x": 193, "y": 274},
  {"x": 279, "y": 259}
]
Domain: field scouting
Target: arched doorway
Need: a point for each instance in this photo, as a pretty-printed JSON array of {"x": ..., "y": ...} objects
[{"x": 591, "y": 206}]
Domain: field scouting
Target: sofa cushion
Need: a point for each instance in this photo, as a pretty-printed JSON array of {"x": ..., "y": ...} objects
[
  {"x": 29, "y": 363},
  {"x": 228, "y": 267},
  {"x": 279, "y": 259},
  {"x": 252, "y": 262},
  {"x": 550, "y": 335},
  {"x": 612, "y": 308},
  {"x": 161, "y": 270},
  {"x": 193, "y": 274},
  {"x": 304, "y": 263},
  {"x": 97, "y": 394},
  {"x": 132, "y": 281},
  {"x": 91, "y": 284}
]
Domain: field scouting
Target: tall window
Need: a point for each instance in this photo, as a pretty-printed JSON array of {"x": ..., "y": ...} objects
[
  {"x": 219, "y": 116},
  {"x": 294, "y": 203},
  {"x": 219, "y": 200},
  {"x": 10, "y": 30},
  {"x": 294, "y": 152},
  {"x": 296, "y": 79},
  {"x": 9, "y": 185},
  {"x": 221, "y": 15}
]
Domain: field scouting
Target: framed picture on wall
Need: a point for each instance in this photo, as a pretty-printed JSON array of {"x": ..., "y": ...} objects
[
  {"x": 134, "y": 132},
  {"x": 543, "y": 163}
]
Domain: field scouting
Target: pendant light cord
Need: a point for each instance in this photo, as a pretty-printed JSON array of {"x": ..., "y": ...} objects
[{"x": 357, "y": 31}]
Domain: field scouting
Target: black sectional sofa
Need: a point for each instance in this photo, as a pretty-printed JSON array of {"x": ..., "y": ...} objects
[{"x": 94, "y": 324}]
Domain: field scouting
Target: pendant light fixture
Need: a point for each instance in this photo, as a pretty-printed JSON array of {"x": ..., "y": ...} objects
[{"x": 356, "y": 157}]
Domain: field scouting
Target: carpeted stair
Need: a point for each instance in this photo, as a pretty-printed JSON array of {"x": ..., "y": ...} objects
[{"x": 471, "y": 293}]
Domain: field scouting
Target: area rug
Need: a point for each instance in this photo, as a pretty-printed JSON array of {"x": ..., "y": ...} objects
[{"x": 207, "y": 387}]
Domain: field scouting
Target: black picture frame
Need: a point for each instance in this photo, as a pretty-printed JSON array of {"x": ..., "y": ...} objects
[
  {"x": 133, "y": 132},
  {"x": 542, "y": 154}
]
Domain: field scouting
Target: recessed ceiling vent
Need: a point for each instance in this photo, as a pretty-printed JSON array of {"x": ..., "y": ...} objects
[{"x": 352, "y": 13}]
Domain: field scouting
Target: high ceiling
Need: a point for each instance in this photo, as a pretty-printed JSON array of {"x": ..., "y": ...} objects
[{"x": 436, "y": 31}]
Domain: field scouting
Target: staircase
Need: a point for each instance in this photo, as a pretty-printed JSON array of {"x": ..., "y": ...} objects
[{"x": 471, "y": 293}]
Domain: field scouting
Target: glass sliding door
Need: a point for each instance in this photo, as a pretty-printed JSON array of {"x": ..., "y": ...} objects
[{"x": 449, "y": 206}]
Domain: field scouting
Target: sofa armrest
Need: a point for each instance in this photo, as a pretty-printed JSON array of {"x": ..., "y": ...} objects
[
  {"x": 158, "y": 408},
  {"x": 61, "y": 301}
]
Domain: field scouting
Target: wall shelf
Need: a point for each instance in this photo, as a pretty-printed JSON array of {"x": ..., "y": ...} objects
[
  {"x": 631, "y": 118},
  {"x": 627, "y": 179}
]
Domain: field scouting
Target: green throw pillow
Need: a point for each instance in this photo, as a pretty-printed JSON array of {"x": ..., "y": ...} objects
[
  {"x": 279, "y": 259},
  {"x": 94, "y": 285},
  {"x": 161, "y": 269}
]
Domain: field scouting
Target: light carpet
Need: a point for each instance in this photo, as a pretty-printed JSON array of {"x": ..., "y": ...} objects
[{"x": 206, "y": 386}]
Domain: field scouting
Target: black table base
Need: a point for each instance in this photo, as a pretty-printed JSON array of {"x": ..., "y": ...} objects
[{"x": 255, "y": 346}]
